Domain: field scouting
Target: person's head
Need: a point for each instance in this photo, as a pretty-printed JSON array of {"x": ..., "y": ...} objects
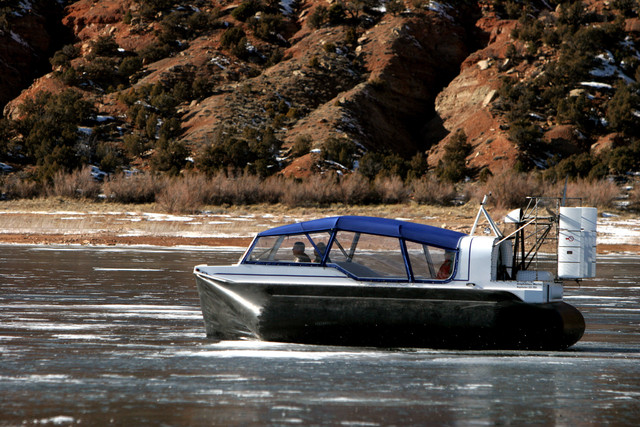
[
  {"x": 320, "y": 249},
  {"x": 298, "y": 248}
]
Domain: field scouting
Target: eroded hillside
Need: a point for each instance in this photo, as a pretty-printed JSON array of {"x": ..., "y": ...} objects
[{"x": 307, "y": 86}]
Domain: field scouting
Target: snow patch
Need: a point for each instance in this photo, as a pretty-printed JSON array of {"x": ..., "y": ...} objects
[
  {"x": 607, "y": 67},
  {"x": 439, "y": 8},
  {"x": 613, "y": 231},
  {"x": 57, "y": 420},
  {"x": 597, "y": 85},
  {"x": 19, "y": 39}
]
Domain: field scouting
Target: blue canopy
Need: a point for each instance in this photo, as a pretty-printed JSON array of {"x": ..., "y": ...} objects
[{"x": 421, "y": 233}]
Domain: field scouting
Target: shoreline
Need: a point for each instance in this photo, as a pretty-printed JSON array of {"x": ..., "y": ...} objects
[
  {"x": 69, "y": 222},
  {"x": 196, "y": 242}
]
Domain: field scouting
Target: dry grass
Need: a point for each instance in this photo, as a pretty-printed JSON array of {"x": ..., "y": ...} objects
[
  {"x": 183, "y": 195},
  {"x": 601, "y": 194},
  {"x": 15, "y": 188},
  {"x": 139, "y": 188},
  {"x": 78, "y": 184},
  {"x": 509, "y": 190},
  {"x": 430, "y": 191},
  {"x": 634, "y": 198},
  {"x": 391, "y": 190},
  {"x": 191, "y": 193}
]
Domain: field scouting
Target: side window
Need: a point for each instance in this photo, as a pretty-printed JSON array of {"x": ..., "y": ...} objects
[
  {"x": 294, "y": 248},
  {"x": 429, "y": 262},
  {"x": 368, "y": 256},
  {"x": 341, "y": 248},
  {"x": 320, "y": 241},
  {"x": 289, "y": 248}
]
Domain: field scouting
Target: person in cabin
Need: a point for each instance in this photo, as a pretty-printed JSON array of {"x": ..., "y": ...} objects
[
  {"x": 447, "y": 266},
  {"x": 319, "y": 251},
  {"x": 298, "y": 253}
]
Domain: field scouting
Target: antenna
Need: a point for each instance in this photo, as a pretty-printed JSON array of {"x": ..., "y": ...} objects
[{"x": 564, "y": 193}]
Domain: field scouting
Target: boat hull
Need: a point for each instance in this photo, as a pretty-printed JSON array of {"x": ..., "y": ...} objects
[{"x": 384, "y": 316}]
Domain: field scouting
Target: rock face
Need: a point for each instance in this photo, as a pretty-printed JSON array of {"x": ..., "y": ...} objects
[
  {"x": 465, "y": 104},
  {"x": 383, "y": 102},
  {"x": 378, "y": 92},
  {"x": 29, "y": 34}
]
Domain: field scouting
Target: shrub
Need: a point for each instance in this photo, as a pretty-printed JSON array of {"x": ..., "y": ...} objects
[
  {"x": 526, "y": 136},
  {"x": 272, "y": 188},
  {"x": 14, "y": 187},
  {"x": 78, "y": 184},
  {"x": 169, "y": 157},
  {"x": 246, "y": 10},
  {"x": 626, "y": 7},
  {"x": 577, "y": 111},
  {"x": 453, "y": 166},
  {"x": 268, "y": 27},
  {"x": 156, "y": 51},
  {"x": 417, "y": 165},
  {"x": 315, "y": 190},
  {"x": 184, "y": 194},
  {"x": 157, "y": 5},
  {"x": 336, "y": 14},
  {"x": 50, "y": 129},
  {"x": 134, "y": 144},
  {"x": 355, "y": 189},
  {"x": 390, "y": 189},
  {"x": 138, "y": 188},
  {"x": 235, "y": 39},
  {"x": 6, "y": 133},
  {"x": 102, "y": 72},
  {"x": 620, "y": 110},
  {"x": 301, "y": 146},
  {"x": 395, "y": 7},
  {"x": 165, "y": 103},
  {"x": 428, "y": 190},
  {"x": 339, "y": 150},
  {"x": 319, "y": 17},
  {"x": 624, "y": 159},
  {"x": 371, "y": 164},
  {"x": 223, "y": 188},
  {"x": 602, "y": 194},
  {"x": 243, "y": 189},
  {"x": 231, "y": 152},
  {"x": 174, "y": 27},
  {"x": 572, "y": 15},
  {"x": 577, "y": 166},
  {"x": 63, "y": 57},
  {"x": 510, "y": 190},
  {"x": 394, "y": 165},
  {"x": 129, "y": 66},
  {"x": 634, "y": 198},
  {"x": 103, "y": 46}
]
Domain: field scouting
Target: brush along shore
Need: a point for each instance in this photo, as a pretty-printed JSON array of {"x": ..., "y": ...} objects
[{"x": 58, "y": 220}]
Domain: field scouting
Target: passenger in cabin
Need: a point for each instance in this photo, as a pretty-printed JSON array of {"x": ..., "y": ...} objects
[
  {"x": 319, "y": 251},
  {"x": 298, "y": 253},
  {"x": 447, "y": 266}
]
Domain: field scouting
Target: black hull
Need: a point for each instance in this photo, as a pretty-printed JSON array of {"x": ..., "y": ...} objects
[{"x": 380, "y": 316}]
